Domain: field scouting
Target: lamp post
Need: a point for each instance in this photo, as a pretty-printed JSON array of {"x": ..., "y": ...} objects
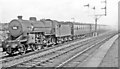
[{"x": 97, "y": 16}]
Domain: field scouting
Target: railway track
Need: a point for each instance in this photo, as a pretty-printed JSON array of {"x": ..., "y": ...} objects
[
  {"x": 17, "y": 56},
  {"x": 40, "y": 60},
  {"x": 59, "y": 58},
  {"x": 84, "y": 54},
  {"x": 6, "y": 58},
  {"x": 40, "y": 55},
  {"x": 32, "y": 55}
]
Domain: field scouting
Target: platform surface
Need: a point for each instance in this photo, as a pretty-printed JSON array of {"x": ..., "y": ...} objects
[{"x": 98, "y": 56}]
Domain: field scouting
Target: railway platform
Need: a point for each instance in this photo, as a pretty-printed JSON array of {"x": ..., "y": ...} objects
[
  {"x": 111, "y": 58},
  {"x": 105, "y": 56}
]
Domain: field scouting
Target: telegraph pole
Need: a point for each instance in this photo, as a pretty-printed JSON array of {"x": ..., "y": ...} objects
[
  {"x": 96, "y": 26},
  {"x": 97, "y": 16}
]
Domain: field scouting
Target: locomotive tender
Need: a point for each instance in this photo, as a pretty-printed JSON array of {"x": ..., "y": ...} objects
[{"x": 36, "y": 34}]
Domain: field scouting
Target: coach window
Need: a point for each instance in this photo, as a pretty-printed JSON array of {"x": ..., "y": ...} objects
[
  {"x": 81, "y": 26},
  {"x": 78, "y": 26},
  {"x": 74, "y": 26},
  {"x": 85, "y": 27}
]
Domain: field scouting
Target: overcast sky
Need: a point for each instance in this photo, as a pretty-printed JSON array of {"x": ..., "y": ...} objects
[{"x": 61, "y": 10}]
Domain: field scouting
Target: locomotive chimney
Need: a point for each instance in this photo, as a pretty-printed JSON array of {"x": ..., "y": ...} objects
[
  {"x": 32, "y": 18},
  {"x": 20, "y": 17}
]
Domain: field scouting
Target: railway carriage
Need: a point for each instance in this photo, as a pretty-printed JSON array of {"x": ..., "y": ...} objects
[{"x": 80, "y": 29}]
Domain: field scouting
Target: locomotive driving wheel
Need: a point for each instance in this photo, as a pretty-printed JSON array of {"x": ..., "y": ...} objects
[
  {"x": 22, "y": 49},
  {"x": 9, "y": 50}
]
